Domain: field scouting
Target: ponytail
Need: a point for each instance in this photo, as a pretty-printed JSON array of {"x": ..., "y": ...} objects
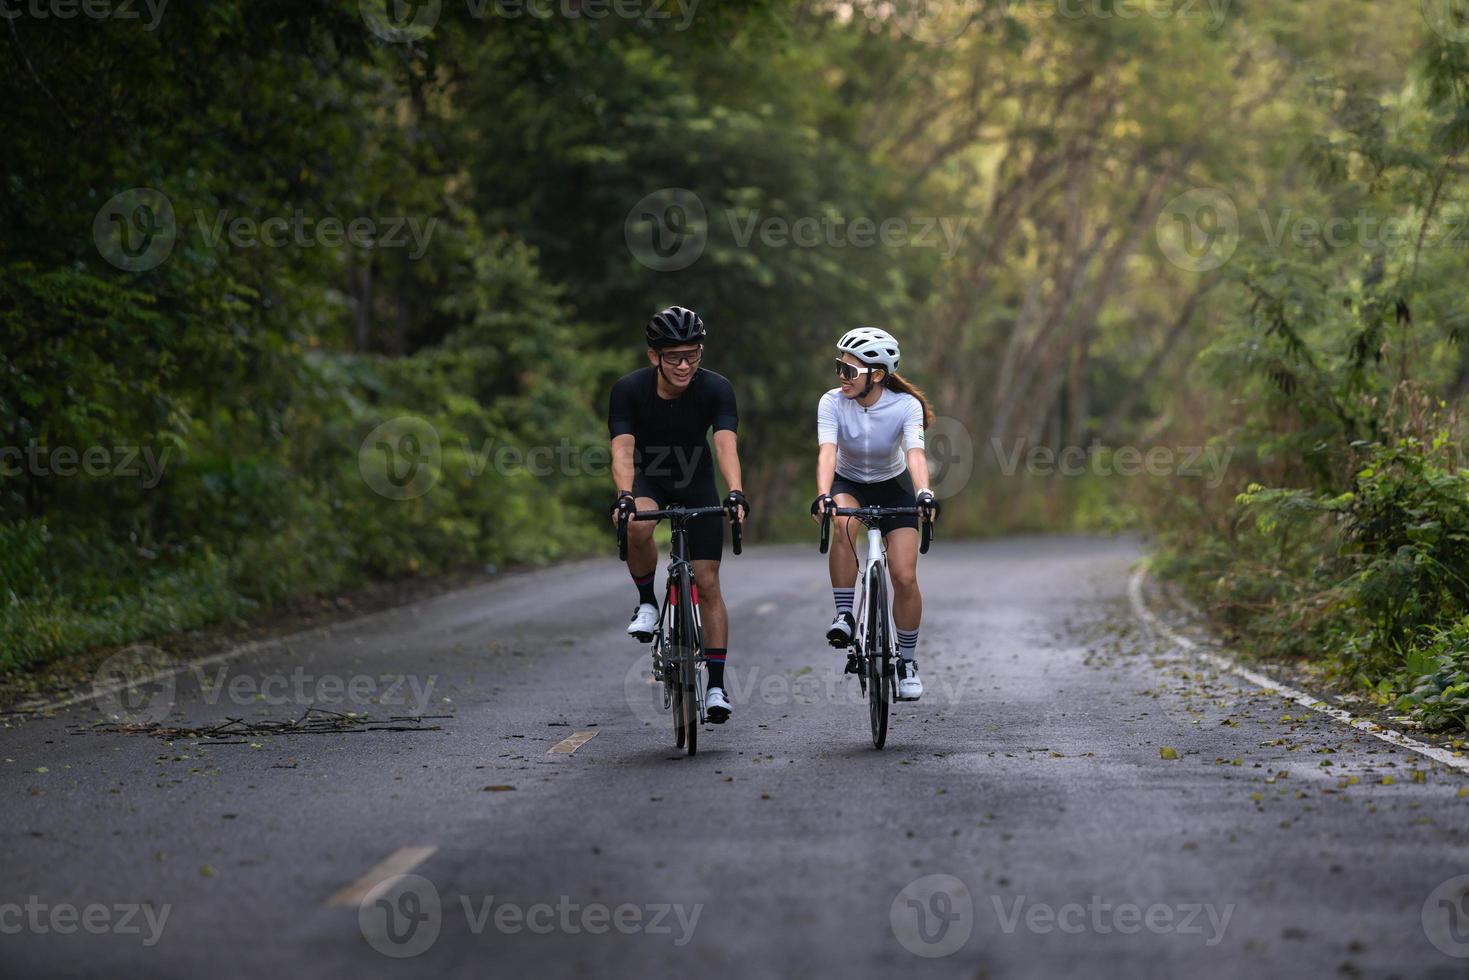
[{"x": 896, "y": 382}]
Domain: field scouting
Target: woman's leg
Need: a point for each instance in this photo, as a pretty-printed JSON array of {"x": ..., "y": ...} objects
[{"x": 902, "y": 545}]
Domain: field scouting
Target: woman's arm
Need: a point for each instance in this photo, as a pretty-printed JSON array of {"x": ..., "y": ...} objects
[
  {"x": 918, "y": 469},
  {"x": 826, "y": 467}
]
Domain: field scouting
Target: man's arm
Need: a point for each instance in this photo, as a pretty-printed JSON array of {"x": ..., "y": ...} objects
[
  {"x": 623, "y": 452},
  {"x": 726, "y": 448}
]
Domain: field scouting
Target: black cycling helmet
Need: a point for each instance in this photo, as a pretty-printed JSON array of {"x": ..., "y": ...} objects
[{"x": 675, "y": 325}]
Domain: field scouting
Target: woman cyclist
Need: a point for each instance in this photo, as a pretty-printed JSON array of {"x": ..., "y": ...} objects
[{"x": 870, "y": 430}]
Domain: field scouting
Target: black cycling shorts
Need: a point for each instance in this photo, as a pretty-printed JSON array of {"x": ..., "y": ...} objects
[
  {"x": 706, "y": 532},
  {"x": 897, "y": 492}
]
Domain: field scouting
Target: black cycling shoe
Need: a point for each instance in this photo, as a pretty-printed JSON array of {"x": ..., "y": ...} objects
[{"x": 842, "y": 629}]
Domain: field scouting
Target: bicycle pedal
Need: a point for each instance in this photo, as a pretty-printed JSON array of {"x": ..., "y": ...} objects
[
  {"x": 854, "y": 664},
  {"x": 643, "y": 637}
]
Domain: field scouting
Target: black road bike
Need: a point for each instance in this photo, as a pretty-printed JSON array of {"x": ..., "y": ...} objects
[{"x": 678, "y": 642}]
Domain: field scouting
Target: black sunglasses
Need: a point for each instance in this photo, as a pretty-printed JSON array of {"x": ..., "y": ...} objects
[{"x": 851, "y": 372}]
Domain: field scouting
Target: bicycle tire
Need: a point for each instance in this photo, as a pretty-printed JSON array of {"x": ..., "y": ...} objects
[
  {"x": 673, "y": 668},
  {"x": 688, "y": 670},
  {"x": 876, "y": 657}
]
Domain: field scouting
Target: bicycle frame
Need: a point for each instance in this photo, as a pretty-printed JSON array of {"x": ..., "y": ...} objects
[
  {"x": 683, "y": 681},
  {"x": 877, "y": 557}
]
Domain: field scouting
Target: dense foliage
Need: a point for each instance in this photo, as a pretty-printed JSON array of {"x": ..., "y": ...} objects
[{"x": 1230, "y": 232}]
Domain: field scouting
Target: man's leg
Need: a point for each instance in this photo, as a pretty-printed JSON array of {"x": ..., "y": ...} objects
[{"x": 642, "y": 559}]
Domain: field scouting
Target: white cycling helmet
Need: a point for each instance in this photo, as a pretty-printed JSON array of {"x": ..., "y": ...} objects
[{"x": 871, "y": 346}]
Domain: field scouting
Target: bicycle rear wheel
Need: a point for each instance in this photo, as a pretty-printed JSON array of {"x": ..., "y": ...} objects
[{"x": 876, "y": 661}]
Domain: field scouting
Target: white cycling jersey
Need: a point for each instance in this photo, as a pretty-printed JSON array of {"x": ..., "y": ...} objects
[{"x": 870, "y": 441}]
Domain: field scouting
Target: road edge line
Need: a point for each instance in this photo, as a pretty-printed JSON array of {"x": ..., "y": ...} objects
[{"x": 1229, "y": 665}]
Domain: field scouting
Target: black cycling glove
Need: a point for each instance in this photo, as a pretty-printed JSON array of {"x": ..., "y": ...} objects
[
  {"x": 823, "y": 504},
  {"x": 626, "y": 504},
  {"x": 736, "y": 499},
  {"x": 928, "y": 503}
]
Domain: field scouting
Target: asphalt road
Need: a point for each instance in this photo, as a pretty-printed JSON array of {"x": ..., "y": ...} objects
[{"x": 1022, "y": 822}]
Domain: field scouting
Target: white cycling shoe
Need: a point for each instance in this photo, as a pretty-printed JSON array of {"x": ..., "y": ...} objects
[
  {"x": 910, "y": 688},
  {"x": 644, "y": 621},
  {"x": 716, "y": 706}
]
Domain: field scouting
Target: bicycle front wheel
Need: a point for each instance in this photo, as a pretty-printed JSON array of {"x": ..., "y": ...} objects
[
  {"x": 688, "y": 666},
  {"x": 877, "y": 662}
]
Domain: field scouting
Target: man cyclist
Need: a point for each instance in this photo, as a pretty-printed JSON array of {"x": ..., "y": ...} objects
[
  {"x": 657, "y": 419},
  {"x": 870, "y": 433}
]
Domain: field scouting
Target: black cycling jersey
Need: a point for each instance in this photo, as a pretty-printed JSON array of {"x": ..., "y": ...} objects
[{"x": 670, "y": 432}]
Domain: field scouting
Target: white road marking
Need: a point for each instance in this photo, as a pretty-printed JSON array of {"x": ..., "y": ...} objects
[
  {"x": 1226, "y": 664},
  {"x": 400, "y": 862},
  {"x": 571, "y": 743}
]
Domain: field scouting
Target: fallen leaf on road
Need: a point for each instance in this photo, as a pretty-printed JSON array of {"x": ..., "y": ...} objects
[
  {"x": 497, "y": 789},
  {"x": 1168, "y": 752}
]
